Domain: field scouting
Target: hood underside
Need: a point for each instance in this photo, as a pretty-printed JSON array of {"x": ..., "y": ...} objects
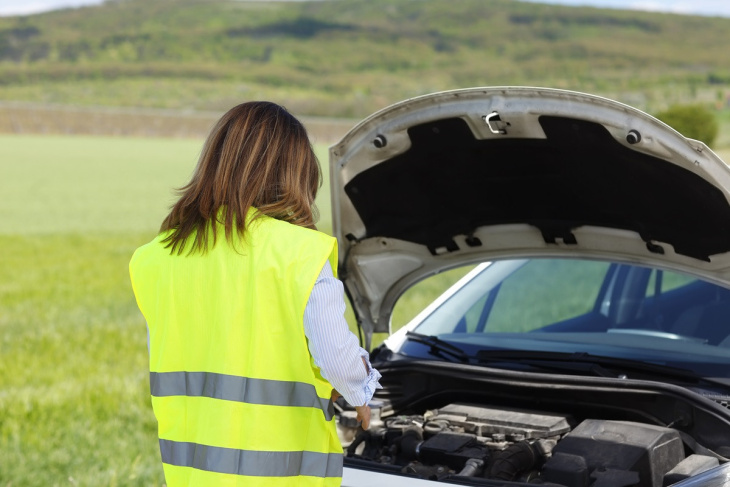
[{"x": 477, "y": 174}]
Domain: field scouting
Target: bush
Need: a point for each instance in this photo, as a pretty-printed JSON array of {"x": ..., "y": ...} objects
[{"x": 693, "y": 121}]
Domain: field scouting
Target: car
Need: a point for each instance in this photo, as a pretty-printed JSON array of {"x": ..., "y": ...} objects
[{"x": 586, "y": 340}]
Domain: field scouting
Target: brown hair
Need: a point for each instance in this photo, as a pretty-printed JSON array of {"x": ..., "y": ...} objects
[{"x": 259, "y": 155}]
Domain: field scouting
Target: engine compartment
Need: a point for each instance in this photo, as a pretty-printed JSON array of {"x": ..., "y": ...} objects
[{"x": 493, "y": 445}]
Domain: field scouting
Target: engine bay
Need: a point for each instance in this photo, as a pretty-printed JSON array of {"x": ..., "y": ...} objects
[{"x": 497, "y": 445}]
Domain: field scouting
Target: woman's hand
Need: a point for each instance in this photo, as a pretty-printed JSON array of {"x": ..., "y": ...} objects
[
  {"x": 363, "y": 415},
  {"x": 363, "y": 412},
  {"x": 335, "y": 395}
]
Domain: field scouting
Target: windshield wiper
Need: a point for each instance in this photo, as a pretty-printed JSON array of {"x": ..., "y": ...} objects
[{"x": 438, "y": 346}]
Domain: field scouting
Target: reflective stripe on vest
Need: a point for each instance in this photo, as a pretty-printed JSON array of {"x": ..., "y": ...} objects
[
  {"x": 252, "y": 463},
  {"x": 239, "y": 389}
]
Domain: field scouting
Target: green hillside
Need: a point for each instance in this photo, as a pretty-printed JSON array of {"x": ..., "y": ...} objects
[{"x": 351, "y": 57}]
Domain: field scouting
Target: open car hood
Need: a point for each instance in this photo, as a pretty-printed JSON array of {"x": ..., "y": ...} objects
[{"x": 464, "y": 176}]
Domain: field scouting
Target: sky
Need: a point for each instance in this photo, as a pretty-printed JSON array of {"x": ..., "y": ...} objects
[{"x": 695, "y": 7}]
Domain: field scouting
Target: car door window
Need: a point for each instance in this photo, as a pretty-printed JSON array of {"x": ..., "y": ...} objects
[{"x": 663, "y": 281}]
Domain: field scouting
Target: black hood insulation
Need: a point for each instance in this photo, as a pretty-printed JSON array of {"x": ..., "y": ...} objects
[{"x": 449, "y": 183}]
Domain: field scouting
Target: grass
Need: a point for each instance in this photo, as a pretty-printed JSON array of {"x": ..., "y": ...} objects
[
  {"x": 74, "y": 397},
  {"x": 90, "y": 184},
  {"x": 74, "y": 406}
]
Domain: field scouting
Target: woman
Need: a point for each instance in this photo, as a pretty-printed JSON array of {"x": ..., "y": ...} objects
[{"x": 248, "y": 346}]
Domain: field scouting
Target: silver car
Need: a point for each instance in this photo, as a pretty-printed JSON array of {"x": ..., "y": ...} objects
[{"x": 588, "y": 341}]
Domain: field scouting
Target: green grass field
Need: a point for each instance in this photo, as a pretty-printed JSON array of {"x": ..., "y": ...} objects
[
  {"x": 74, "y": 405},
  {"x": 74, "y": 396}
]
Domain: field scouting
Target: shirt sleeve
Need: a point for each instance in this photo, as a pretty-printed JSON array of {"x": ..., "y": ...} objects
[{"x": 334, "y": 348}]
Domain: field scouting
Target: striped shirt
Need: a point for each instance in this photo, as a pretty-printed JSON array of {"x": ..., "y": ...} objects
[{"x": 334, "y": 348}]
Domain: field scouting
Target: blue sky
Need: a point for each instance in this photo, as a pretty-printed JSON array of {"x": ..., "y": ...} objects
[
  {"x": 697, "y": 7},
  {"x": 693, "y": 7}
]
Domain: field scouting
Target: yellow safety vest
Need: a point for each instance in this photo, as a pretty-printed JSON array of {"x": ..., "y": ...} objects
[{"x": 237, "y": 396}]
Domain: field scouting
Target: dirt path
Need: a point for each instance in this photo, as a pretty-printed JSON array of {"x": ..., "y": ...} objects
[{"x": 24, "y": 118}]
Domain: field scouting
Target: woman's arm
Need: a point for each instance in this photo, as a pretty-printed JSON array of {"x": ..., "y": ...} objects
[{"x": 334, "y": 348}]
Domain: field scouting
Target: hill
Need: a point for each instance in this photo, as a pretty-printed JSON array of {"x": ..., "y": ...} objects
[{"x": 347, "y": 58}]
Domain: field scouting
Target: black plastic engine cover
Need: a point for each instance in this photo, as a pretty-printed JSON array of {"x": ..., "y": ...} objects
[
  {"x": 451, "y": 449},
  {"x": 613, "y": 447}
]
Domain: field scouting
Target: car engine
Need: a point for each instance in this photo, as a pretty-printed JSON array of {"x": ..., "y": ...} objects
[{"x": 521, "y": 446}]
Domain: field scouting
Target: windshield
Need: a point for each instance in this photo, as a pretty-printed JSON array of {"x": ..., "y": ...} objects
[{"x": 588, "y": 306}]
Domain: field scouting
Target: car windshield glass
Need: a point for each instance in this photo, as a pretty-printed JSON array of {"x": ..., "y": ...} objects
[{"x": 588, "y": 306}]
